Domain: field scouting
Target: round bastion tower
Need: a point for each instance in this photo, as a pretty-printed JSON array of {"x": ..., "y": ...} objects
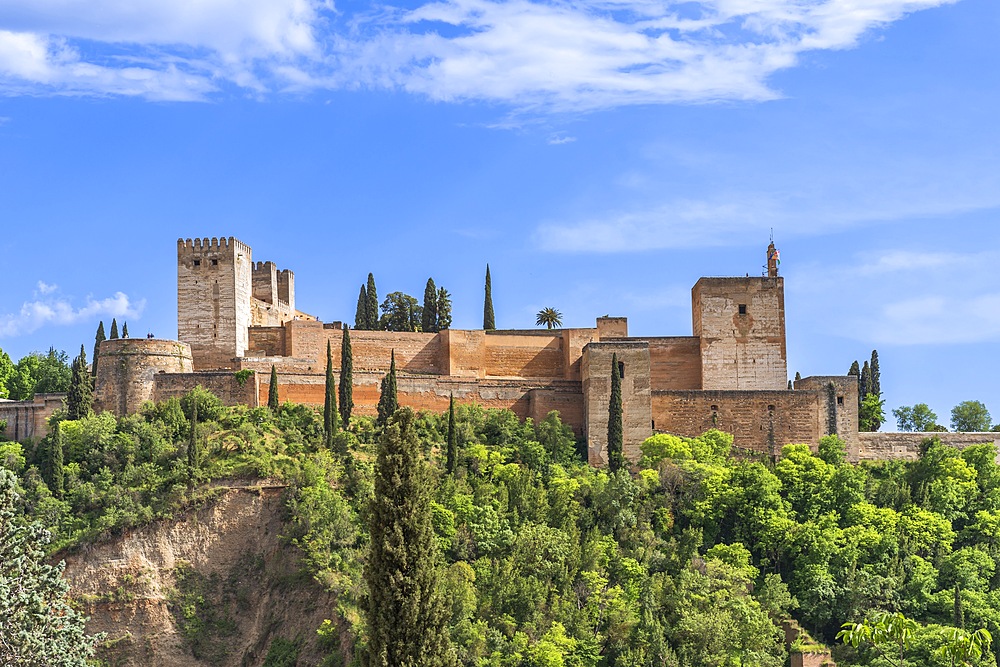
[{"x": 127, "y": 370}]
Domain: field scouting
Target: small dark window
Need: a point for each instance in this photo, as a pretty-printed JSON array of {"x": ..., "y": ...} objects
[
  {"x": 715, "y": 408},
  {"x": 743, "y": 309},
  {"x": 215, "y": 262},
  {"x": 621, "y": 369},
  {"x": 770, "y": 408},
  {"x": 840, "y": 400},
  {"x": 197, "y": 262},
  {"x": 653, "y": 424}
]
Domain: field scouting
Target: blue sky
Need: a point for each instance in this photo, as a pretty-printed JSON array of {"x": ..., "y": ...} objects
[{"x": 601, "y": 156}]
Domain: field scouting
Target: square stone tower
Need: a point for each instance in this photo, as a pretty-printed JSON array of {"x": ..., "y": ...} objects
[
  {"x": 214, "y": 290},
  {"x": 741, "y": 324}
]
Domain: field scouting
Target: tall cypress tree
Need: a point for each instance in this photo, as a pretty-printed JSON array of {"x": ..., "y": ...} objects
[
  {"x": 272, "y": 390},
  {"x": 388, "y": 401},
  {"x": 864, "y": 382},
  {"x": 443, "y": 309},
  {"x": 855, "y": 369},
  {"x": 114, "y": 328},
  {"x": 616, "y": 456},
  {"x": 346, "y": 397},
  {"x": 56, "y": 461},
  {"x": 125, "y": 330},
  {"x": 361, "y": 313},
  {"x": 406, "y": 617},
  {"x": 875, "y": 377},
  {"x": 371, "y": 303},
  {"x": 489, "y": 321},
  {"x": 80, "y": 399},
  {"x": 193, "y": 439},
  {"x": 329, "y": 401},
  {"x": 98, "y": 339},
  {"x": 429, "y": 315},
  {"x": 452, "y": 462}
]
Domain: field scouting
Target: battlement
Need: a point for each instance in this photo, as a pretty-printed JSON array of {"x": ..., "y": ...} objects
[{"x": 221, "y": 245}]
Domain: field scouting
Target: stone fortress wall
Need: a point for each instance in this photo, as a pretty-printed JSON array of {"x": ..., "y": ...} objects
[{"x": 235, "y": 314}]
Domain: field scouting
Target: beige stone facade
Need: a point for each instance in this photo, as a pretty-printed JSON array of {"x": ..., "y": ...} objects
[{"x": 236, "y": 315}]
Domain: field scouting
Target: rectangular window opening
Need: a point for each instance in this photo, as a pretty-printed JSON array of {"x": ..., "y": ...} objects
[
  {"x": 621, "y": 369},
  {"x": 715, "y": 408},
  {"x": 197, "y": 262},
  {"x": 743, "y": 309},
  {"x": 840, "y": 400},
  {"x": 770, "y": 408},
  {"x": 215, "y": 262}
]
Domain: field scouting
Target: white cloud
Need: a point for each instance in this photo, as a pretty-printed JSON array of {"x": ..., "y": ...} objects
[
  {"x": 560, "y": 139},
  {"x": 542, "y": 54},
  {"x": 60, "y": 311}
]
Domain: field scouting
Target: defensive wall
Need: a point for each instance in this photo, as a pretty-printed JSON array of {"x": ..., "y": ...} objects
[
  {"x": 28, "y": 420},
  {"x": 906, "y": 445},
  {"x": 128, "y": 368}
]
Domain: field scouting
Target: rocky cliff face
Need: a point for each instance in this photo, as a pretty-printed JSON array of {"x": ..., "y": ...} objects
[{"x": 216, "y": 587}]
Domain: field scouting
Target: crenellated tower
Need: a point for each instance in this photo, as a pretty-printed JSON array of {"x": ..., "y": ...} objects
[{"x": 214, "y": 290}]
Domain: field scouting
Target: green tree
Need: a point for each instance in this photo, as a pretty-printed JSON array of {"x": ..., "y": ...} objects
[
  {"x": 99, "y": 337},
  {"x": 918, "y": 418},
  {"x": 550, "y": 317},
  {"x": 875, "y": 376},
  {"x": 192, "y": 448},
  {"x": 429, "y": 314},
  {"x": 489, "y": 321},
  {"x": 272, "y": 390},
  {"x": 872, "y": 413},
  {"x": 890, "y": 635},
  {"x": 443, "y": 309},
  {"x": 400, "y": 312},
  {"x": 406, "y": 619},
  {"x": 346, "y": 396},
  {"x": 114, "y": 329},
  {"x": 329, "y": 401},
  {"x": 388, "y": 402},
  {"x": 38, "y": 626},
  {"x": 855, "y": 370},
  {"x": 56, "y": 460},
  {"x": 80, "y": 399},
  {"x": 361, "y": 314},
  {"x": 864, "y": 383},
  {"x": 451, "y": 464},
  {"x": 970, "y": 417},
  {"x": 963, "y": 647},
  {"x": 125, "y": 330},
  {"x": 616, "y": 456},
  {"x": 371, "y": 303},
  {"x": 7, "y": 373},
  {"x": 38, "y": 373}
]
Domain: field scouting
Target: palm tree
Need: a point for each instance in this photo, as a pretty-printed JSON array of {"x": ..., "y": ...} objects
[{"x": 550, "y": 317}]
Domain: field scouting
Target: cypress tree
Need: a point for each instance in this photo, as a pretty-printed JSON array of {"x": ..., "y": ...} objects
[
  {"x": 875, "y": 377},
  {"x": 429, "y": 316},
  {"x": 798, "y": 376},
  {"x": 56, "y": 461},
  {"x": 452, "y": 462},
  {"x": 80, "y": 399},
  {"x": 616, "y": 457},
  {"x": 98, "y": 338},
  {"x": 114, "y": 328},
  {"x": 371, "y": 303},
  {"x": 361, "y": 313},
  {"x": 272, "y": 390},
  {"x": 865, "y": 382},
  {"x": 193, "y": 439},
  {"x": 125, "y": 330},
  {"x": 406, "y": 617},
  {"x": 489, "y": 321},
  {"x": 443, "y": 309},
  {"x": 329, "y": 401},
  {"x": 855, "y": 370},
  {"x": 346, "y": 397},
  {"x": 388, "y": 401}
]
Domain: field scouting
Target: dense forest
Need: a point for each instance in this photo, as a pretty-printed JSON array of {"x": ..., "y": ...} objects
[{"x": 692, "y": 557}]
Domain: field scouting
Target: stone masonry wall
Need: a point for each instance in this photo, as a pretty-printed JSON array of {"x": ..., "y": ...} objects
[
  {"x": 636, "y": 410},
  {"x": 223, "y": 384},
  {"x": 126, "y": 374},
  {"x": 28, "y": 420},
  {"x": 906, "y": 446},
  {"x": 760, "y": 420},
  {"x": 741, "y": 350},
  {"x": 675, "y": 363},
  {"x": 524, "y": 356}
]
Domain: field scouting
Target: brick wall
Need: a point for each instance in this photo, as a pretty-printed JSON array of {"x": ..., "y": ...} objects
[
  {"x": 524, "y": 356},
  {"x": 675, "y": 363},
  {"x": 223, "y": 384},
  {"x": 906, "y": 446},
  {"x": 760, "y": 420},
  {"x": 636, "y": 408},
  {"x": 266, "y": 342}
]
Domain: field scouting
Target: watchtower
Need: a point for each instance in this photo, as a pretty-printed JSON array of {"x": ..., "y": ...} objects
[
  {"x": 214, "y": 289},
  {"x": 741, "y": 326}
]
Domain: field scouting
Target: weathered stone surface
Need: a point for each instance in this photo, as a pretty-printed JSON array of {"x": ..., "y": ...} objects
[
  {"x": 28, "y": 420},
  {"x": 126, "y": 376},
  {"x": 906, "y": 446}
]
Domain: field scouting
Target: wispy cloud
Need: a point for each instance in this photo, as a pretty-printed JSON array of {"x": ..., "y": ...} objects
[
  {"x": 50, "y": 308},
  {"x": 543, "y": 54},
  {"x": 560, "y": 139}
]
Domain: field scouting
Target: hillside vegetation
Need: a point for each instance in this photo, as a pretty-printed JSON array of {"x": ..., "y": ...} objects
[{"x": 692, "y": 558}]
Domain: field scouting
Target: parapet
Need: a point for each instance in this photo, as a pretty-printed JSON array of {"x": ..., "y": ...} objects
[{"x": 214, "y": 244}]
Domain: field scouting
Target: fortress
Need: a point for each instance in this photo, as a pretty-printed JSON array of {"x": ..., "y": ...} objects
[{"x": 236, "y": 315}]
